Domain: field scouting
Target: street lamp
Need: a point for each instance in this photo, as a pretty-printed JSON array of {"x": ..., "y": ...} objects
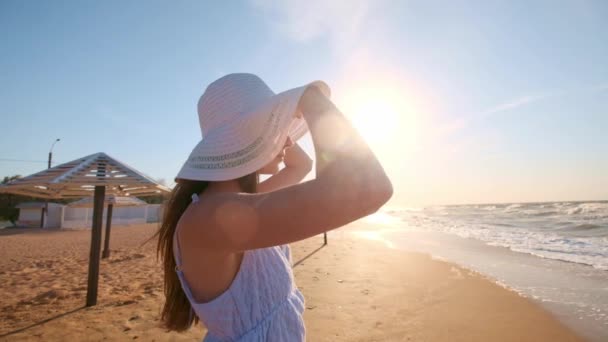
[
  {"x": 51, "y": 151},
  {"x": 45, "y": 210}
]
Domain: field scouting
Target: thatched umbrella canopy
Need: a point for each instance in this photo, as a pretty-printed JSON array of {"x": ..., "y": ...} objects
[
  {"x": 95, "y": 175},
  {"x": 78, "y": 178}
]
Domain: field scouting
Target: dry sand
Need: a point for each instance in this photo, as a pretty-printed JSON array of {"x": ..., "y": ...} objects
[{"x": 356, "y": 290}]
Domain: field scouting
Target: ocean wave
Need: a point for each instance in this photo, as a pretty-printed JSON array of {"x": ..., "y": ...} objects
[
  {"x": 586, "y": 226},
  {"x": 586, "y": 251},
  {"x": 513, "y": 207},
  {"x": 541, "y": 213},
  {"x": 569, "y": 231},
  {"x": 600, "y": 264},
  {"x": 588, "y": 208},
  {"x": 502, "y": 224}
]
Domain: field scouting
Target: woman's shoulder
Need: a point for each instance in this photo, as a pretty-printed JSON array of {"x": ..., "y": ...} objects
[{"x": 215, "y": 217}]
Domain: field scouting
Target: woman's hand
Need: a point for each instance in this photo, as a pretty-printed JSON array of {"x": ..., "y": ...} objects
[
  {"x": 296, "y": 157},
  {"x": 297, "y": 165}
]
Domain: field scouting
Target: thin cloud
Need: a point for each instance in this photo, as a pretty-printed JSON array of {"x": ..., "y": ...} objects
[
  {"x": 339, "y": 21},
  {"x": 515, "y": 103},
  {"x": 528, "y": 99},
  {"x": 445, "y": 132}
]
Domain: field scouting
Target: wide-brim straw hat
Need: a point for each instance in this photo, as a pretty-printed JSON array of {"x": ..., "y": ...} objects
[{"x": 244, "y": 125}]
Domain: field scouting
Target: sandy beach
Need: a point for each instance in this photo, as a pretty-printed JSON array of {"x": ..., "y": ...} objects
[{"x": 355, "y": 289}]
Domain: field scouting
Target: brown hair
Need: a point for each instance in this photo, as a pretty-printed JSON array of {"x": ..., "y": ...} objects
[{"x": 177, "y": 313}]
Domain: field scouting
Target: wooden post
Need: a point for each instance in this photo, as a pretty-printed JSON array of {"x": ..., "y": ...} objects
[
  {"x": 324, "y": 238},
  {"x": 42, "y": 217},
  {"x": 62, "y": 217},
  {"x": 106, "y": 243},
  {"x": 93, "y": 281},
  {"x": 86, "y": 216}
]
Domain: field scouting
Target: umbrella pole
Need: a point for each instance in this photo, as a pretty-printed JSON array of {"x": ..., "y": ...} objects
[
  {"x": 42, "y": 218},
  {"x": 106, "y": 243},
  {"x": 94, "y": 260}
]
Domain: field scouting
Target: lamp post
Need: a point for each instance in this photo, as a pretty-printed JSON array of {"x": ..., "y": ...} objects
[
  {"x": 46, "y": 204},
  {"x": 51, "y": 151}
]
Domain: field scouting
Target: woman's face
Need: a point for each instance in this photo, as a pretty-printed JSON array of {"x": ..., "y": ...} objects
[{"x": 272, "y": 168}]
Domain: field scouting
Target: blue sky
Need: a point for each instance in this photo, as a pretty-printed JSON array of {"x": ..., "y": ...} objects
[{"x": 499, "y": 101}]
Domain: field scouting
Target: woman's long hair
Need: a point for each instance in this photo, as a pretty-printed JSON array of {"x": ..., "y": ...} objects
[{"x": 177, "y": 313}]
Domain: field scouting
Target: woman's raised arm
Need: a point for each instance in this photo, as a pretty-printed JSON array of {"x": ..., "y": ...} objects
[{"x": 350, "y": 184}]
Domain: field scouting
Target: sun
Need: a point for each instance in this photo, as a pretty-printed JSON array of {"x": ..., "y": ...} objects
[
  {"x": 383, "y": 116},
  {"x": 376, "y": 119}
]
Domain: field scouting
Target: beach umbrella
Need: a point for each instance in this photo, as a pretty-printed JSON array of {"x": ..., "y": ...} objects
[
  {"x": 112, "y": 201},
  {"x": 96, "y": 176}
]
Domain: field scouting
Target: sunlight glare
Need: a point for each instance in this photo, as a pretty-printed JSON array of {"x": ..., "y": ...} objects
[
  {"x": 382, "y": 116},
  {"x": 376, "y": 119},
  {"x": 374, "y": 236}
]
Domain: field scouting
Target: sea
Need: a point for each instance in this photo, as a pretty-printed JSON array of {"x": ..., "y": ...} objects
[{"x": 554, "y": 253}]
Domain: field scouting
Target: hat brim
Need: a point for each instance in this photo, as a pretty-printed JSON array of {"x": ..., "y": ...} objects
[{"x": 250, "y": 141}]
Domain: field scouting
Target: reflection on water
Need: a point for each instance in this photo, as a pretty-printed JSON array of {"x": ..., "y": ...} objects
[
  {"x": 381, "y": 218},
  {"x": 374, "y": 236}
]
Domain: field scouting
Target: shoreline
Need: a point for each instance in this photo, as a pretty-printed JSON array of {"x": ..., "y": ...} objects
[
  {"x": 572, "y": 292},
  {"x": 349, "y": 296}
]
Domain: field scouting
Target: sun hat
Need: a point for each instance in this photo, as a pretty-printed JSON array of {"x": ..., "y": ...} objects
[{"x": 244, "y": 125}]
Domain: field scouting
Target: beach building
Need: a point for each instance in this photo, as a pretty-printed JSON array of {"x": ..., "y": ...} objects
[
  {"x": 80, "y": 215},
  {"x": 126, "y": 210},
  {"x": 30, "y": 214}
]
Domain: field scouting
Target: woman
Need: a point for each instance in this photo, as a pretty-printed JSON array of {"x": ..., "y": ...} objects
[{"x": 224, "y": 235}]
